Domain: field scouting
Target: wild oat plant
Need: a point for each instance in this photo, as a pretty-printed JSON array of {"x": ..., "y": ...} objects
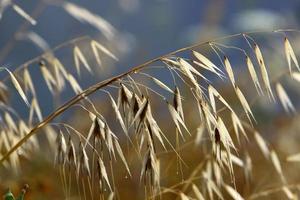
[{"x": 186, "y": 125}]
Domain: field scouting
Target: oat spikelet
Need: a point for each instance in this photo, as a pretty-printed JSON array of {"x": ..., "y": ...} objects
[
  {"x": 22, "y": 13},
  {"x": 177, "y": 119},
  {"x": 120, "y": 152},
  {"x": 289, "y": 193},
  {"x": 206, "y": 62},
  {"x": 183, "y": 196},
  {"x": 84, "y": 15},
  {"x": 253, "y": 75},
  {"x": 229, "y": 70},
  {"x": 83, "y": 162},
  {"x": 244, "y": 103},
  {"x": 61, "y": 149},
  {"x": 10, "y": 122},
  {"x": 118, "y": 114},
  {"x": 74, "y": 84},
  {"x": 161, "y": 84},
  {"x": 71, "y": 153},
  {"x": 189, "y": 69},
  {"x": 289, "y": 54},
  {"x": 263, "y": 71},
  {"x": 60, "y": 73},
  {"x": 141, "y": 113},
  {"x": 199, "y": 133},
  {"x": 28, "y": 82},
  {"x": 284, "y": 99},
  {"x": 233, "y": 193},
  {"x": 296, "y": 76},
  {"x": 262, "y": 145},
  {"x": 96, "y": 47},
  {"x": 78, "y": 57},
  {"x": 35, "y": 108},
  {"x": 177, "y": 102},
  {"x": 48, "y": 77},
  {"x": 294, "y": 158},
  {"x": 197, "y": 192},
  {"x": 237, "y": 126},
  {"x": 277, "y": 165},
  {"x": 17, "y": 86},
  {"x": 185, "y": 67},
  {"x": 214, "y": 93},
  {"x": 102, "y": 171}
]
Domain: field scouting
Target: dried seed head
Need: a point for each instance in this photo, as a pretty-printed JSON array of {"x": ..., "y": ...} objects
[
  {"x": 102, "y": 174},
  {"x": 83, "y": 162},
  {"x": 42, "y": 63},
  {"x": 61, "y": 149},
  {"x": 71, "y": 153},
  {"x": 177, "y": 102},
  {"x": 217, "y": 136}
]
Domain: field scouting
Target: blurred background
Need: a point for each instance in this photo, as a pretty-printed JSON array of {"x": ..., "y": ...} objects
[{"x": 137, "y": 31}]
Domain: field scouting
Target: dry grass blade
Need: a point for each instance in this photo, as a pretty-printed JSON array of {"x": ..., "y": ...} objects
[
  {"x": 284, "y": 99},
  {"x": 22, "y": 13},
  {"x": 289, "y": 53},
  {"x": 253, "y": 75},
  {"x": 17, "y": 86},
  {"x": 263, "y": 71},
  {"x": 79, "y": 57},
  {"x": 233, "y": 193}
]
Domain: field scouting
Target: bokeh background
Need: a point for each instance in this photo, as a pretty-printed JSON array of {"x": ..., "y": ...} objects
[{"x": 143, "y": 30}]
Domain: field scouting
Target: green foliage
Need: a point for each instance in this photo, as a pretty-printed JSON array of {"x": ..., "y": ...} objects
[{"x": 9, "y": 195}]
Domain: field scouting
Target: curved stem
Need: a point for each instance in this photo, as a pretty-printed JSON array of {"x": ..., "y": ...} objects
[{"x": 105, "y": 83}]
